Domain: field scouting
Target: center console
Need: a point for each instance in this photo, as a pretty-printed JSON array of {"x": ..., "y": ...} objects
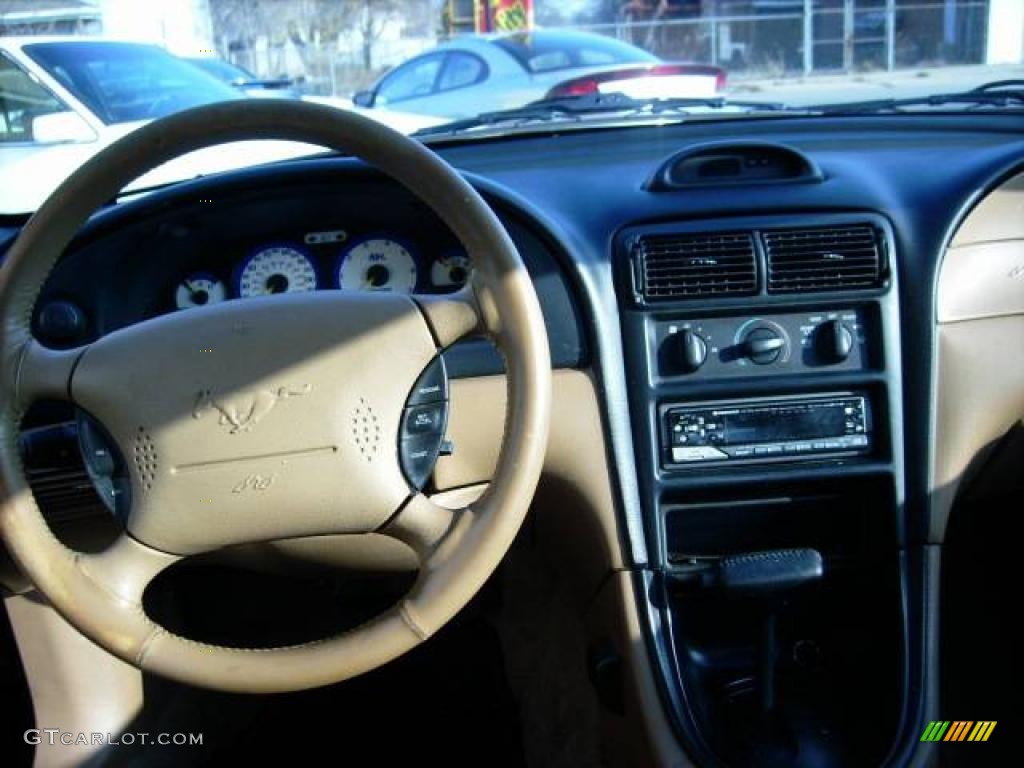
[{"x": 763, "y": 364}]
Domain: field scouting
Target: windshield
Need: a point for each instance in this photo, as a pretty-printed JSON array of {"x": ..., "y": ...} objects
[
  {"x": 223, "y": 71},
  {"x": 122, "y": 83},
  {"x": 467, "y": 69}
]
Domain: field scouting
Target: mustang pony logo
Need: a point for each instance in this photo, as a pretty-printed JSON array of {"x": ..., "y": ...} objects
[{"x": 241, "y": 413}]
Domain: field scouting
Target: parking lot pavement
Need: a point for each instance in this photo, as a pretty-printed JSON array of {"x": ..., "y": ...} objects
[{"x": 820, "y": 89}]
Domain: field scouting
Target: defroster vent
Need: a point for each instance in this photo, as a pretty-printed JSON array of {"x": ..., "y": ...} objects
[
  {"x": 823, "y": 259},
  {"x": 686, "y": 266}
]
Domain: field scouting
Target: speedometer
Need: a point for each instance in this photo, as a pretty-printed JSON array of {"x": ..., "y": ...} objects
[
  {"x": 276, "y": 269},
  {"x": 377, "y": 264}
]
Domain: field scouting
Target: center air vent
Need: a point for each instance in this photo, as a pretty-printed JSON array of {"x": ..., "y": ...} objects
[
  {"x": 823, "y": 259},
  {"x": 685, "y": 266}
]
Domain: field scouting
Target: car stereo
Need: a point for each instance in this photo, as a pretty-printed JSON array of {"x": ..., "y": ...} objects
[{"x": 768, "y": 429}]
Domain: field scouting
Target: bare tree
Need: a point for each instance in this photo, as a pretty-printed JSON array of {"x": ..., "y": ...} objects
[{"x": 308, "y": 25}]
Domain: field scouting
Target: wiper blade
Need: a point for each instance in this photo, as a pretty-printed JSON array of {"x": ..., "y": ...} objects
[
  {"x": 999, "y": 94},
  {"x": 570, "y": 108}
]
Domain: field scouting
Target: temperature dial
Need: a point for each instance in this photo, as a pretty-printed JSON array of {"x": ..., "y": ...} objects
[{"x": 763, "y": 345}]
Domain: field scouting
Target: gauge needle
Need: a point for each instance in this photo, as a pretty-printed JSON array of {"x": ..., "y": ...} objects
[{"x": 189, "y": 287}]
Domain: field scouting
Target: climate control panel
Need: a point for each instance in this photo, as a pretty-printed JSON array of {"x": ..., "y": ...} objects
[{"x": 723, "y": 347}]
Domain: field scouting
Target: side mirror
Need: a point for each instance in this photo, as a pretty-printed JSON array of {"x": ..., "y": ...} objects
[
  {"x": 61, "y": 128},
  {"x": 364, "y": 98}
]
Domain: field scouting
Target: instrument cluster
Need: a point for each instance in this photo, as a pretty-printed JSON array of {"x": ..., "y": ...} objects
[{"x": 331, "y": 260}]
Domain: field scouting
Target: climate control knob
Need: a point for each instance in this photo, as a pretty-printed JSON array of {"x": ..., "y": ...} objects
[
  {"x": 763, "y": 345},
  {"x": 691, "y": 349},
  {"x": 833, "y": 341}
]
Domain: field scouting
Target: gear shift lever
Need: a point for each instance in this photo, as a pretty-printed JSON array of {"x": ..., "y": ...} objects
[{"x": 770, "y": 576}]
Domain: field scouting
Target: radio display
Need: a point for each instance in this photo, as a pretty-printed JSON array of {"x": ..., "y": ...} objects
[
  {"x": 768, "y": 430},
  {"x": 788, "y": 423}
]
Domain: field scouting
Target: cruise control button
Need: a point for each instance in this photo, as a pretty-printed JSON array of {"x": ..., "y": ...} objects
[
  {"x": 432, "y": 386},
  {"x": 423, "y": 419},
  {"x": 418, "y": 455}
]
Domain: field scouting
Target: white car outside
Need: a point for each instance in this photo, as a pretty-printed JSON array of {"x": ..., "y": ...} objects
[
  {"x": 483, "y": 73},
  {"x": 49, "y": 127}
]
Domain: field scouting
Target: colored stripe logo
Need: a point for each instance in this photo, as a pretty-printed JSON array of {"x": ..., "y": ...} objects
[{"x": 958, "y": 730}]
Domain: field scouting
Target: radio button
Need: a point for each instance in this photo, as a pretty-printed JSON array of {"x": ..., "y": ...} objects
[{"x": 697, "y": 453}]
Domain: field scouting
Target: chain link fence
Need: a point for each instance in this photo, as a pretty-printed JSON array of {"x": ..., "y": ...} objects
[{"x": 787, "y": 39}]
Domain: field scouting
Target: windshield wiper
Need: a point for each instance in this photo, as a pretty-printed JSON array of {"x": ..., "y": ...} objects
[
  {"x": 999, "y": 94},
  {"x": 577, "y": 108}
]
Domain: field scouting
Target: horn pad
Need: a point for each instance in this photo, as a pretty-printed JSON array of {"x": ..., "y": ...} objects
[{"x": 261, "y": 418}]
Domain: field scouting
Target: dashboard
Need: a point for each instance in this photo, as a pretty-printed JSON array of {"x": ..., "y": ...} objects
[
  {"x": 764, "y": 352},
  {"x": 325, "y": 260},
  {"x": 248, "y": 245}
]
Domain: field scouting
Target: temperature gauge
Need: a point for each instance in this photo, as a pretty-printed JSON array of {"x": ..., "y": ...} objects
[{"x": 451, "y": 271}]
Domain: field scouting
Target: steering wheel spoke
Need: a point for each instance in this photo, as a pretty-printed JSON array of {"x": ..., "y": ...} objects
[
  {"x": 423, "y": 524},
  {"x": 45, "y": 373},
  {"x": 451, "y": 316},
  {"x": 125, "y": 568}
]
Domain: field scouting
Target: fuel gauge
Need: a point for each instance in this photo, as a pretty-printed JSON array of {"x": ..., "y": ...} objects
[{"x": 198, "y": 290}]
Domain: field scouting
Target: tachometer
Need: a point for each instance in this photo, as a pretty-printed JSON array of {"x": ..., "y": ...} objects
[
  {"x": 276, "y": 269},
  {"x": 450, "y": 271},
  {"x": 377, "y": 264},
  {"x": 198, "y": 290}
]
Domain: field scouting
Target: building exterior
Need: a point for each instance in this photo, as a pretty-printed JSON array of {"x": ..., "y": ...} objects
[
  {"x": 182, "y": 26},
  {"x": 50, "y": 17}
]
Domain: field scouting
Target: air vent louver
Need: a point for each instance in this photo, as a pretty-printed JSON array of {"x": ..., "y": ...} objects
[
  {"x": 823, "y": 259},
  {"x": 685, "y": 266}
]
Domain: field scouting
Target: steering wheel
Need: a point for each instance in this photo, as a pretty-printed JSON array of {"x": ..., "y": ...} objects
[{"x": 336, "y": 369}]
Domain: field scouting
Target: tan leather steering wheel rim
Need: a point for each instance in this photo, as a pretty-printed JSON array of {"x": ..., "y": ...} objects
[{"x": 101, "y": 594}]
